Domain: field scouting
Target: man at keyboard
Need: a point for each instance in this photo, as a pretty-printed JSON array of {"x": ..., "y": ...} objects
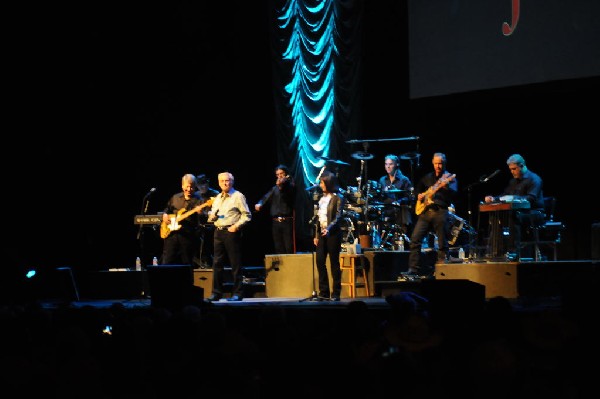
[{"x": 524, "y": 185}]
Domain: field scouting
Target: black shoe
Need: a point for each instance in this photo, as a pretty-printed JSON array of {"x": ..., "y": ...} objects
[
  {"x": 409, "y": 276},
  {"x": 235, "y": 298},
  {"x": 409, "y": 273},
  {"x": 335, "y": 298},
  {"x": 213, "y": 298}
]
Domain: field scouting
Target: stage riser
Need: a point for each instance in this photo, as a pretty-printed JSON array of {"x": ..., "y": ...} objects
[
  {"x": 527, "y": 279},
  {"x": 203, "y": 278},
  {"x": 499, "y": 279}
]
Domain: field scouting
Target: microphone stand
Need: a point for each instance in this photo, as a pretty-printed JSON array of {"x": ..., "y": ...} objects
[
  {"x": 470, "y": 205},
  {"x": 140, "y": 234},
  {"x": 314, "y": 297}
]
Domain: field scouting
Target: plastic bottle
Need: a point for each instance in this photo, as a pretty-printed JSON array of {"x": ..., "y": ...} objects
[
  {"x": 401, "y": 243},
  {"x": 155, "y": 261},
  {"x": 461, "y": 253},
  {"x": 138, "y": 264}
]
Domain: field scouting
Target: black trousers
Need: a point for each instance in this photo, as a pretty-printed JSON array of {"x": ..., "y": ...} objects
[
  {"x": 331, "y": 246},
  {"x": 227, "y": 247},
  {"x": 283, "y": 236}
]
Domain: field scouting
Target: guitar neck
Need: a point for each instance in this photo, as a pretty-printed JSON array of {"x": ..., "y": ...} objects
[{"x": 195, "y": 210}]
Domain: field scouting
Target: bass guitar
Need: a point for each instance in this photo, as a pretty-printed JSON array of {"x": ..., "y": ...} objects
[
  {"x": 167, "y": 227},
  {"x": 428, "y": 195}
]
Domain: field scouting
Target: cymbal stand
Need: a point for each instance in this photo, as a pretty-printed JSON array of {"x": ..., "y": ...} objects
[{"x": 363, "y": 165}]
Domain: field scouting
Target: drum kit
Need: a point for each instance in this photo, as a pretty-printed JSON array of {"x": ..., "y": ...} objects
[{"x": 368, "y": 213}]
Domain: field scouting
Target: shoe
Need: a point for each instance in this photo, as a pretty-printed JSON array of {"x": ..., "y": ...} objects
[
  {"x": 335, "y": 298},
  {"x": 409, "y": 273},
  {"x": 213, "y": 298},
  {"x": 235, "y": 298},
  {"x": 409, "y": 276}
]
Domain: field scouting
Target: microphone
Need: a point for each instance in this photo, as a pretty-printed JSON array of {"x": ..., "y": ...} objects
[
  {"x": 153, "y": 189},
  {"x": 312, "y": 187},
  {"x": 490, "y": 176}
]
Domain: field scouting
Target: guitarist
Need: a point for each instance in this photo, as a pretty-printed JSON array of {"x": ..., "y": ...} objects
[
  {"x": 181, "y": 244},
  {"x": 436, "y": 191}
]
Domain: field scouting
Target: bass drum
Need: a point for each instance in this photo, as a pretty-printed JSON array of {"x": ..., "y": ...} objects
[{"x": 348, "y": 228}]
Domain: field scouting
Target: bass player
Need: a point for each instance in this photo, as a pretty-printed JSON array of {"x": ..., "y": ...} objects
[{"x": 436, "y": 192}]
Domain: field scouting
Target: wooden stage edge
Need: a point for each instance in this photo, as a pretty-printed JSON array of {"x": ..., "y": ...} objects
[{"x": 523, "y": 279}]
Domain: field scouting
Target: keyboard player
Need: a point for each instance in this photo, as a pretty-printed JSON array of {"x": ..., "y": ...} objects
[{"x": 524, "y": 185}]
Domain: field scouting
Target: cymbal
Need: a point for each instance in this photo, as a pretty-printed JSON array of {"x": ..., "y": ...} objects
[
  {"x": 410, "y": 155},
  {"x": 362, "y": 155},
  {"x": 395, "y": 191},
  {"x": 335, "y": 161}
]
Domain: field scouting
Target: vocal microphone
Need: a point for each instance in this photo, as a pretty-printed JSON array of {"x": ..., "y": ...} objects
[
  {"x": 490, "y": 176},
  {"x": 312, "y": 187},
  {"x": 153, "y": 189}
]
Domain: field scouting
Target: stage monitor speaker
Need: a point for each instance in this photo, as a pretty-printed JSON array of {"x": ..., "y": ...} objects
[
  {"x": 172, "y": 286},
  {"x": 596, "y": 241},
  {"x": 289, "y": 275},
  {"x": 56, "y": 284}
]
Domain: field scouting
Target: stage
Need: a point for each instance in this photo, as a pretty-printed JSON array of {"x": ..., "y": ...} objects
[{"x": 290, "y": 280}]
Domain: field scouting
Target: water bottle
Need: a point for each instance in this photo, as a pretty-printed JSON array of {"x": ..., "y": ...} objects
[
  {"x": 401, "y": 243},
  {"x": 138, "y": 264},
  {"x": 155, "y": 261},
  {"x": 461, "y": 253}
]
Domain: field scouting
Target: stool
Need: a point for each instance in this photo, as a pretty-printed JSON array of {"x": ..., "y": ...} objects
[{"x": 348, "y": 263}]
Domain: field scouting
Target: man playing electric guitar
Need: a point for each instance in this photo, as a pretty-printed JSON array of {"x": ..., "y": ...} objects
[
  {"x": 436, "y": 190},
  {"x": 180, "y": 227},
  {"x": 174, "y": 222}
]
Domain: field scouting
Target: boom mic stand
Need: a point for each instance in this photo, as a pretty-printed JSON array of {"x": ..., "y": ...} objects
[
  {"x": 471, "y": 232},
  {"x": 140, "y": 234}
]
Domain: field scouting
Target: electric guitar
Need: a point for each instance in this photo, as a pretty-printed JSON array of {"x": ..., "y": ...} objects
[
  {"x": 428, "y": 194},
  {"x": 173, "y": 224}
]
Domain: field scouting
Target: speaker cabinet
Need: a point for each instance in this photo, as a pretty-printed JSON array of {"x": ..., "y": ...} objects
[
  {"x": 172, "y": 286},
  {"x": 499, "y": 279},
  {"x": 203, "y": 278},
  {"x": 290, "y": 275}
]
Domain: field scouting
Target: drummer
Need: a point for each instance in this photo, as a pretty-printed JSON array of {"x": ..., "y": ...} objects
[{"x": 396, "y": 191}]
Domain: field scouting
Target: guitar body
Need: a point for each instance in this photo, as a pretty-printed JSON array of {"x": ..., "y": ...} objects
[
  {"x": 173, "y": 224},
  {"x": 422, "y": 204},
  {"x": 167, "y": 228}
]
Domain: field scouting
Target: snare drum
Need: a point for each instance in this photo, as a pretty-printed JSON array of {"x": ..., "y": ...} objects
[{"x": 459, "y": 230}]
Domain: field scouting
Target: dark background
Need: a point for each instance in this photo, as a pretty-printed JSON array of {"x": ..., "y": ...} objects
[{"x": 108, "y": 100}]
